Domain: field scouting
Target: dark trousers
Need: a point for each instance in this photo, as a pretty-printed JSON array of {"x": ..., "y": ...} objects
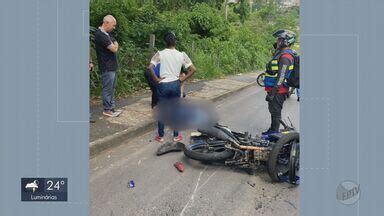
[
  {"x": 275, "y": 106},
  {"x": 108, "y": 81},
  {"x": 152, "y": 86},
  {"x": 166, "y": 92}
]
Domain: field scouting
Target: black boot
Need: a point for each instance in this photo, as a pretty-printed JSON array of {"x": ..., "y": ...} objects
[{"x": 275, "y": 124}]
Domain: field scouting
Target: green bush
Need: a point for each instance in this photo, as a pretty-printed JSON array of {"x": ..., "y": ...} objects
[
  {"x": 206, "y": 66},
  {"x": 208, "y": 22},
  {"x": 216, "y": 46}
]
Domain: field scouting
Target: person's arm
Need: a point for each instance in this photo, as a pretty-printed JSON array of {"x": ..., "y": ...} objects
[
  {"x": 90, "y": 65},
  {"x": 191, "y": 68},
  {"x": 113, "y": 47},
  {"x": 108, "y": 42},
  {"x": 153, "y": 74},
  {"x": 284, "y": 64},
  {"x": 154, "y": 61},
  {"x": 190, "y": 72}
]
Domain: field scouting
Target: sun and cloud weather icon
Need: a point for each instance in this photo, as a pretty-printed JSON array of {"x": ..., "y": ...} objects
[{"x": 33, "y": 185}]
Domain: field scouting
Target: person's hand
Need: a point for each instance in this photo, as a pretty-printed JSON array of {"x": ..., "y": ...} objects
[
  {"x": 158, "y": 80},
  {"x": 182, "y": 77},
  {"x": 269, "y": 97},
  {"x": 91, "y": 66},
  {"x": 271, "y": 94}
]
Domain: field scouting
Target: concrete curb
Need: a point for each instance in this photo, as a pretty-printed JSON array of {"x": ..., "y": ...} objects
[{"x": 116, "y": 139}]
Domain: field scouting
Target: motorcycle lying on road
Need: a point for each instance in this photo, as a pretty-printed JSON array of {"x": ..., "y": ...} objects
[{"x": 279, "y": 152}]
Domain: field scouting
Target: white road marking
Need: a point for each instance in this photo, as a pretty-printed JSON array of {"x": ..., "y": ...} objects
[
  {"x": 193, "y": 194},
  {"x": 209, "y": 178}
]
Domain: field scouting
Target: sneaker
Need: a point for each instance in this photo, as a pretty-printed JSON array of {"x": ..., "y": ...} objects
[
  {"x": 109, "y": 113},
  {"x": 178, "y": 138},
  {"x": 159, "y": 139},
  {"x": 117, "y": 111}
]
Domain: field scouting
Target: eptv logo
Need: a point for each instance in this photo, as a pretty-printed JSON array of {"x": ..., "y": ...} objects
[{"x": 348, "y": 192}]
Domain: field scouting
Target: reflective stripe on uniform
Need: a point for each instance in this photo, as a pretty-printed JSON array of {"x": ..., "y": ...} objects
[
  {"x": 269, "y": 75},
  {"x": 275, "y": 68}
]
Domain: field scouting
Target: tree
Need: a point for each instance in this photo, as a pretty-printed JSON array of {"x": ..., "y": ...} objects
[{"x": 243, "y": 10}]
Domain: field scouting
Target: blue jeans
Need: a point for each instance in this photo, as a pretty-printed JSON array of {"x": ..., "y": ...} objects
[
  {"x": 108, "y": 81},
  {"x": 167, "y": 91},
  {"x": 298, "y": 92}
]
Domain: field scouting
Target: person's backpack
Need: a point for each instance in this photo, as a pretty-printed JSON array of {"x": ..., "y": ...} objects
[{"x": 293, "y": 78}]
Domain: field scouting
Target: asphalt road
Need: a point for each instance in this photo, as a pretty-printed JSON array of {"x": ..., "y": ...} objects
[{"x": 201, "y": 189}]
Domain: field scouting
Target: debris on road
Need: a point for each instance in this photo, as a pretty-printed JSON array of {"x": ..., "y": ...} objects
[
  {"x": 131, "y": 184},
  {"x": 179, "y": 166},
  {"x": 251, "y": 184},
  {"x": 259, "y": 205},
  {"x": 170, "y": 147}
]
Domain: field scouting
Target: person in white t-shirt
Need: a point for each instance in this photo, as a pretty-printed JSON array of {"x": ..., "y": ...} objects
[{"x": 169, "y": 79}]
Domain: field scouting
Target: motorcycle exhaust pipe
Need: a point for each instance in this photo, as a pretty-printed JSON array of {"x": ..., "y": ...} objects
[{"x": 254, "y": 148}]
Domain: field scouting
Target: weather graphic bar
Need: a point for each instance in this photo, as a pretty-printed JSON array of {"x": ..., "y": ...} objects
[{"x": 44, "y": 189}]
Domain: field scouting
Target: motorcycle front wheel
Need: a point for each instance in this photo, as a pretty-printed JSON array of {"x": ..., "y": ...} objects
[
  {"x": 208, "y": 151},
  {"x": 260, "y": 79},
  {"x": 280, "y": 165}
]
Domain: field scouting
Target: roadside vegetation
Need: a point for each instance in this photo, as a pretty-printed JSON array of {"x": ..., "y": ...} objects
[{"x": 216, "y": 45}]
